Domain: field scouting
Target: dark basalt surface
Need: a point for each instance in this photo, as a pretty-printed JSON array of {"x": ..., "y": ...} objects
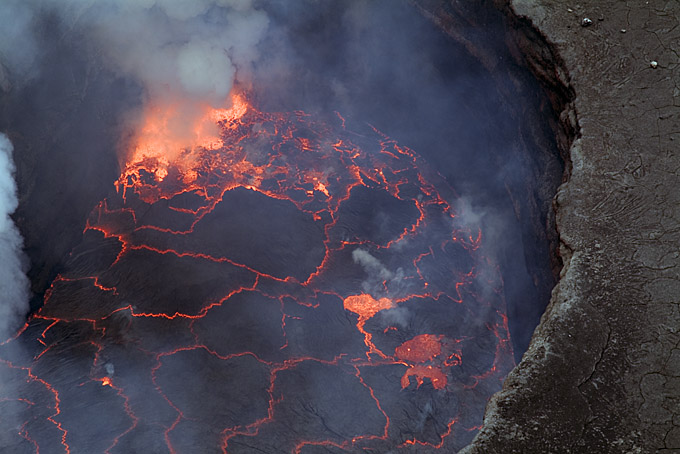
[{"x": 212, "y": 340}]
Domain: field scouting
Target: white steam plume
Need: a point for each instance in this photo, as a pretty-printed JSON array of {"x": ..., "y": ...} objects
[
  {"x": 14, "y": 286},
  {"x": 377, "y": 274},
  {"x": 186, "y": 50}
]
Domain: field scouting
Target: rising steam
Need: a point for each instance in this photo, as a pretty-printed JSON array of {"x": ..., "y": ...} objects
[
  {"x": 194, "y": 50},
  {"x": 377, "y": 275},
  {"x": 187, "y": 55},
  {"x": 14, "y": 287}
]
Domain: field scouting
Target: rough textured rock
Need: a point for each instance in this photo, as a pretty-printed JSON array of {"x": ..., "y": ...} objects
[{"x": 602, "y": 373}]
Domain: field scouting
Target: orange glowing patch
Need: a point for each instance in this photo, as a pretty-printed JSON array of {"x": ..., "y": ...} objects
[
  {"x": 230, "y": 116},
  {"x": 106, "y": 381},
  {"x": 366, "y": 306},
  {"x": 166, "y": 140},
  {"x": 322, "y": 188},
  {"x": 420, "y": 349},
  {"x": 420, "y": 372}
]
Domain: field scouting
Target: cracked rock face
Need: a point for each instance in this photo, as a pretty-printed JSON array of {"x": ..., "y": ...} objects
[{"x": 602, "y": 373}]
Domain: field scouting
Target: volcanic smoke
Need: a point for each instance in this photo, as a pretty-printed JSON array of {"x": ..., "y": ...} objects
[
  {"x": 187, "y": 54},
  {"x": 14, "y": 285}
]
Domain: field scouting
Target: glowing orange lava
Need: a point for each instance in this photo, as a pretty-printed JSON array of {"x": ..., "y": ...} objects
[
  {"x": 420, "y": 349},
  {"x": 183, "y": 168},
  {"x": 421, "y": 371},
  {"x": 170, "y": 137},
  {"x": 366, "y": 306}
]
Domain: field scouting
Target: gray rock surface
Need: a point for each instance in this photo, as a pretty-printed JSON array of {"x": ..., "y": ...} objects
[{"x": 602, "y": 373}]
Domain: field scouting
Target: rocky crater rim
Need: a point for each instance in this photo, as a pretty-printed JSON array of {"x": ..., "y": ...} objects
[{"x": 532, "y": 49}]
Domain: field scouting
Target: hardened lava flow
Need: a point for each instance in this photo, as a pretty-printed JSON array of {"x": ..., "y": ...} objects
[{"x": 278, "y": 285}]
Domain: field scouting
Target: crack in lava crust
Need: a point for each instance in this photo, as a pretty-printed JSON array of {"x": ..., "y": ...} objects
[{"x": 287, "y": 285}]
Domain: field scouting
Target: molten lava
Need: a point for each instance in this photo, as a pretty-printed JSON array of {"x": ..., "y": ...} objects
[
  {"x": 366, "y": 306},
  {"x": 420, "y": 349},
  {"x": 421, "y": 371},
  {"x": 166, "y": 141},
  {"x": 287, "y": 269}
]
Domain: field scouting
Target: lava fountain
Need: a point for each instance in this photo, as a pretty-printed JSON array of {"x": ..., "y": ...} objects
[{"x": 272, "y": 284}]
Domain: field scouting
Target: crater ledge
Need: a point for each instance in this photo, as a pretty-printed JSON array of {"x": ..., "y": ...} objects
[{"x": 602, "y": 373}]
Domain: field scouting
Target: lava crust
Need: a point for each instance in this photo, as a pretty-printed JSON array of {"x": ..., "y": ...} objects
[{"x": 286, "y": 286}]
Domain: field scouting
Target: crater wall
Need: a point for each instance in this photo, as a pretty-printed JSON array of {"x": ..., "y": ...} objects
[{"x": 602, "y": 372}]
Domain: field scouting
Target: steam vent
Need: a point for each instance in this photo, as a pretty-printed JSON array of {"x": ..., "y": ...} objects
[{"x": 339, "y": 227}]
